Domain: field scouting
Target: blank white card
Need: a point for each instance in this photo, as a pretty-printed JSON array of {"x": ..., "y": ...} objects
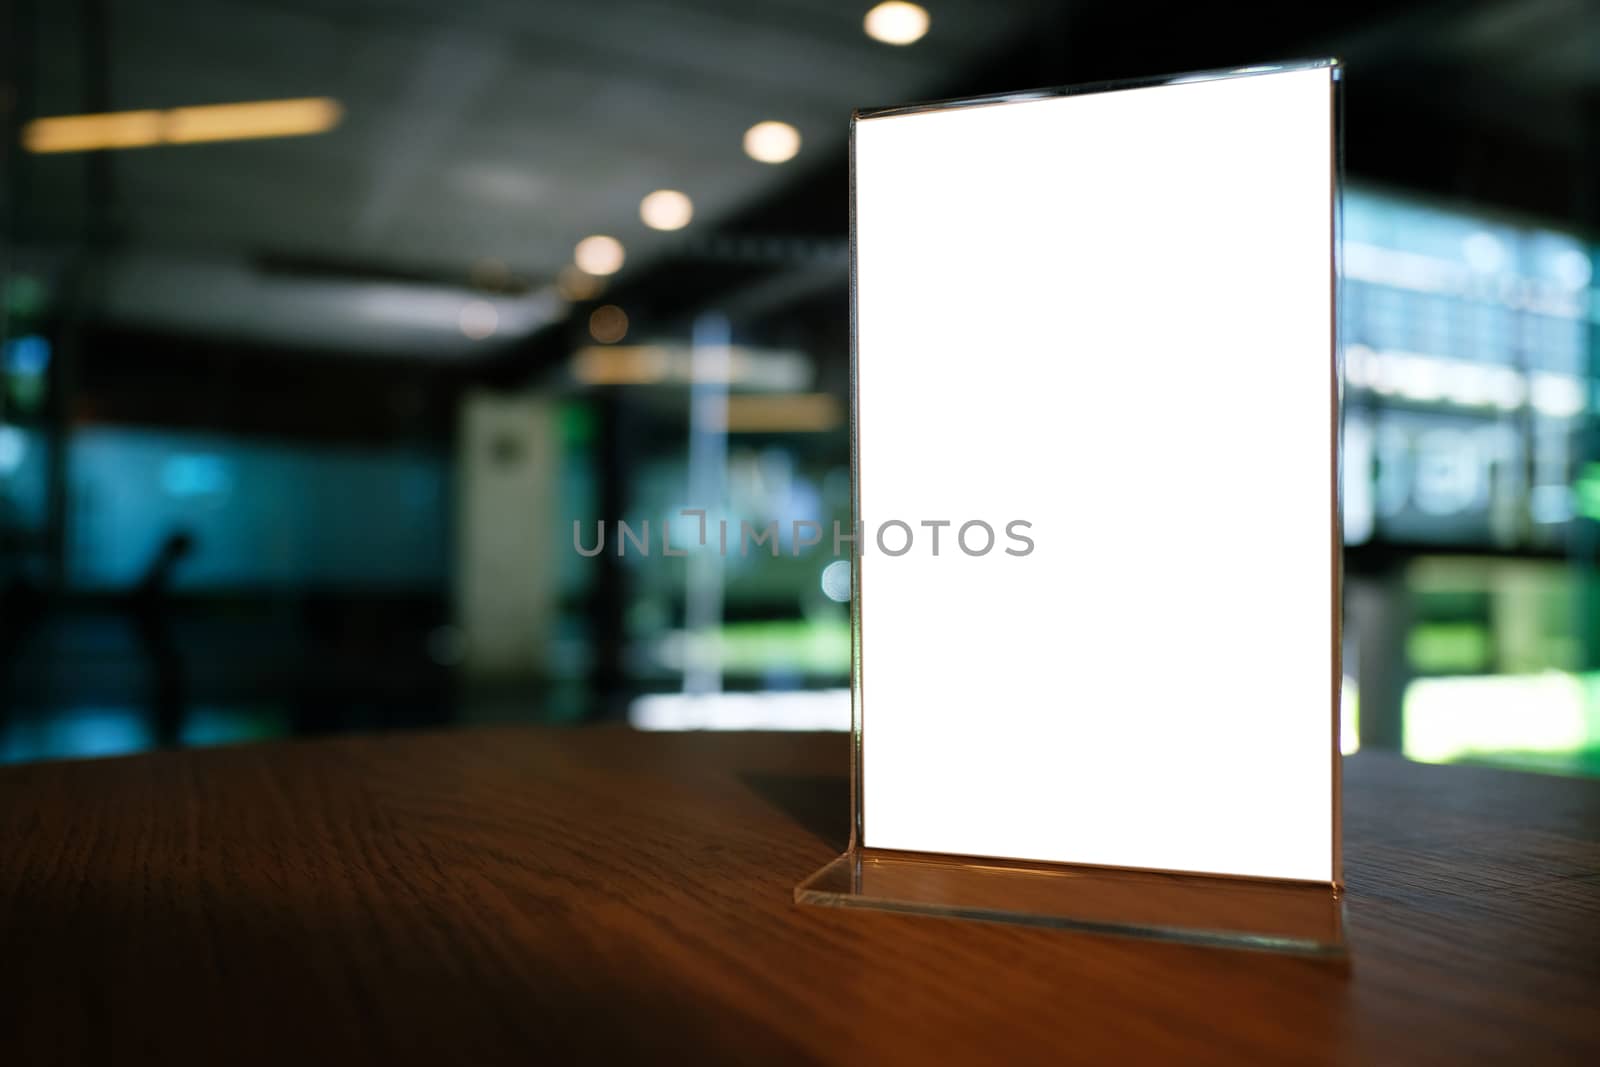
[{"x": 1099, "y": 327}]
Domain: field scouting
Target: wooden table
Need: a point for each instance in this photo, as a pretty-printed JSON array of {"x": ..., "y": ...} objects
[{"x": 525, "y": 896}]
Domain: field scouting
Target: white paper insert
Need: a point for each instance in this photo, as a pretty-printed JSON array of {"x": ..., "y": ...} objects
[{"x": 1108, "y": 316}]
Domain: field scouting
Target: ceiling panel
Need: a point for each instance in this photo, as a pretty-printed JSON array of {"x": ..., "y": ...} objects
[{"x": 500, "y": 129}]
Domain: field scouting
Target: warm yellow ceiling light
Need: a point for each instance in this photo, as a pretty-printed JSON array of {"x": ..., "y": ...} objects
[
  {"x": 182, "y": 125},
  {"x": 897, "y": 22},
  {"x": 236, "y": 122},
  {"x": 666, "y": 209},
  {"x": 598, "y": 255},
  {"x": 83, "y": 133},
  {"x": 771, "y": 142}
]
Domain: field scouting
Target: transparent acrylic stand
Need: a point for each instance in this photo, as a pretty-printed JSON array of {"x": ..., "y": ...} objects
[
  {"x": 1194, "y": 909},
  {"x": 1302, "y": 917}
]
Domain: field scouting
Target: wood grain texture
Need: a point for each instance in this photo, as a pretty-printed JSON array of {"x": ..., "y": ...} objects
[{"x": 526, "y": 896}]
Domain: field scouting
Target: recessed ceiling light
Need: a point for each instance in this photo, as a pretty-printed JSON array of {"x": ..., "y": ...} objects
[
  {"x": 608, "y": 324},
  {"x": 598, "y": 255},
  {"x": 771, "y": 142},
  {"x": 666, "y": 209},
  {"x": 896, "y": 22},
  {"x": 478, "y": 319}
]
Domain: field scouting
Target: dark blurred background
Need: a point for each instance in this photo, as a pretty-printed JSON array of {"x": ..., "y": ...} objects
[{"x": 301, "y": 400}]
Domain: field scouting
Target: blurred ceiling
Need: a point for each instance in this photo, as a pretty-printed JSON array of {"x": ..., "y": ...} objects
[
  {"x": 1494, "y": 104},
  {"x": 481, "y": 140}
]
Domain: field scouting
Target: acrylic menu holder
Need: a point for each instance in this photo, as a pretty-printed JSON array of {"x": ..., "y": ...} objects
[{"x": 1132, "y": 726}]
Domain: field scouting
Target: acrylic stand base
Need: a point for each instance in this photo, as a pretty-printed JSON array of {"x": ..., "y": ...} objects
[{"x": 1195, "y": 909}]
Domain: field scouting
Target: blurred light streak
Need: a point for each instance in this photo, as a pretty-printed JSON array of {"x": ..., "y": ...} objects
[
  {"x": 821, "y": 709},
  {"x": 1461, "y": 382},
  {"x": 792, "y": 413},
  {"x": 1450, "y": 718},
  {"x": 233, "y": 122},
  {"x": 85, "y": 133},
  {"x": 772, "y": 370},
  {"x": 1434, "y": 274},
  {"x": 184, "y": 125},
  {"x": 627, "y": 365},
  {"x": 422, "y": 307}
]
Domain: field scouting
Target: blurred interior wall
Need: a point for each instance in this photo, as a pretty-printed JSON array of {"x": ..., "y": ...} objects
[{"x": 507, "y": 465}]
